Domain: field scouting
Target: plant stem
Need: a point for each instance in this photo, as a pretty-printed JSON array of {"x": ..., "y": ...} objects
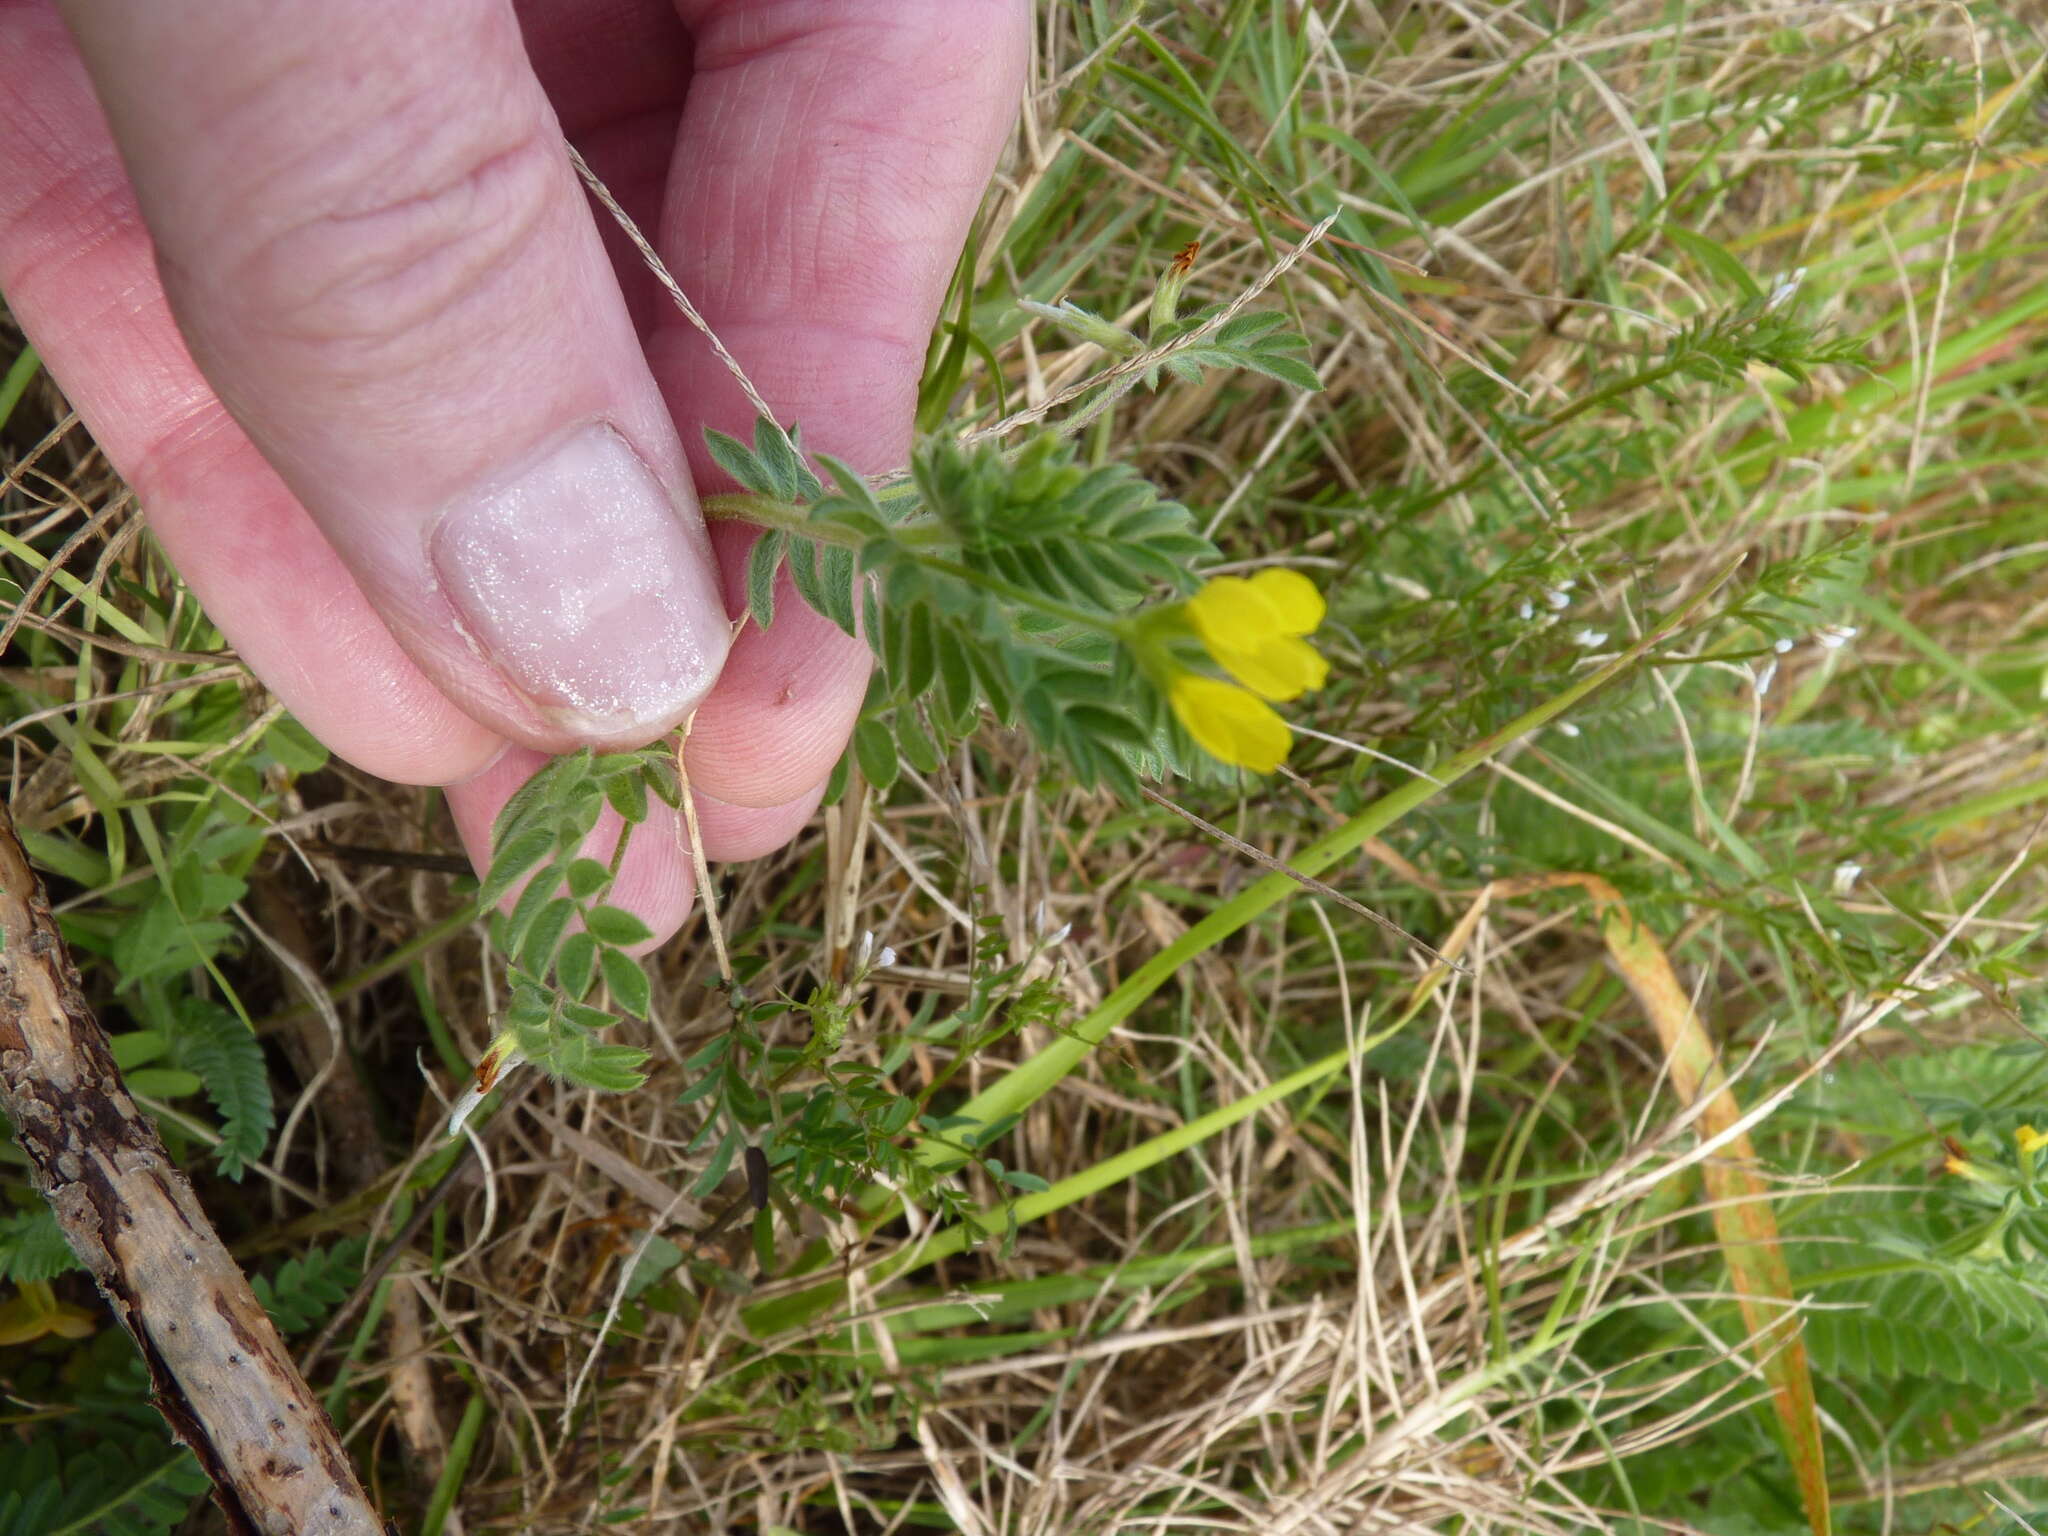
[
  {"x": 781, "y": 516},
  {"x": 1613, "y": 391},
  {"x": 459, "y": 1452},
  {"x": 790, "y": 518}
]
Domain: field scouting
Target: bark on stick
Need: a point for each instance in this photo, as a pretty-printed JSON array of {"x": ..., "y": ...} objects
[{"x": 221, "y": 1374}]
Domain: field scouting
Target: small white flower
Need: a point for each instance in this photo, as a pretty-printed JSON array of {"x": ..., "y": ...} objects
[
  {"x": 885, "y": 959},
  {"x": 867, "y": 947},
  {"x": 1845, "y": 877},
  {"x": 1058, "y": 936},
  {"x": 1526, "y": 610},
  {"x": 1591, "y": 639},
  {"x": 1765, "y": 678},
  {"x": 1835, "y": 636},
  {"x": 1781, "y": 645},
  {"x": 1558, "y": 597},
  {"x": 1783, "y": 293},
  {"x": 1566, "y": 728}
]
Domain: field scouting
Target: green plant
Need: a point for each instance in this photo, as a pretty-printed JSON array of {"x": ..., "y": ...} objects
[{"x": 1616, "y": 297}]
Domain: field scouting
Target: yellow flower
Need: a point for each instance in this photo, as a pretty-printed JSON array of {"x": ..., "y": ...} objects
[
  {"x": 1229, "y": 723},
  {"x": 2030, "y": 1140},
  {"x": 1254, "y": 628}
]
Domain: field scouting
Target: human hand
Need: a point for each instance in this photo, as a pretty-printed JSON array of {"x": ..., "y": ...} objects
[{"x": 423, "y": 434}]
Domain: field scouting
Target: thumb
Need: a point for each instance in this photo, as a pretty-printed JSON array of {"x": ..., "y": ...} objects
[{"x": 371, "y": 236}]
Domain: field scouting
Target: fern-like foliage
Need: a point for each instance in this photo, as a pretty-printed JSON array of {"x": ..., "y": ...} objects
[
  {"x": 1872, "y": 1346},
  {"x": 1258, "y": 341},
  {"x": 562, "y": 937},
  {"x": 139, "y": 1485},
  {"x": 303, "y": 1290},
  {"x": 32, "y": 1246},
  {"x": 1097, "y": 534},
  {"x": 212, "y": 1043},
  {"x": 1717, "y": 347},
  {"x": 848, "y": 1129},
  {"x": 993, "y": 584}
]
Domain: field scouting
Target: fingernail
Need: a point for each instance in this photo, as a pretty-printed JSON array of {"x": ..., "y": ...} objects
[{"x": 578, "y": 581}]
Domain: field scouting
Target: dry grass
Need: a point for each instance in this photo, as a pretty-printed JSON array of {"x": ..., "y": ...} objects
[{"x": 1392, "y": 1302}]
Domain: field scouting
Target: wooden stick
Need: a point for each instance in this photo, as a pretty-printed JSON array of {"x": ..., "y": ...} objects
[{"x": 220, "y": 1373}]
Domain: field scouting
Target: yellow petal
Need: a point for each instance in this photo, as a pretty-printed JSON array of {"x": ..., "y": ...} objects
[
  {"x": 2030, "y": 1140},
  {"x": 1292, "y": 598},
  {"x": 1227, "y": 611},
  {"x": 1282, "y": 667},
  {"x": 1229, "y": 723}
]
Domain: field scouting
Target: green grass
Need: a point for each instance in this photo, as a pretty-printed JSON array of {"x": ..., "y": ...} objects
[{"x": 1315, "y": 1245}]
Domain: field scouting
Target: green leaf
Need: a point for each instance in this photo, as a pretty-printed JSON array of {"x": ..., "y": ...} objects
[
  {"x": 852, "y": 486},
  {"x": 526, "y": 911},
  {"x": 840, "y": 777},
  {"x": 802, "y": 562},
  {"x": 626, "y": 793},
  {"x": 293, "y": 747},
  {"x": 626, "y": 979},
  {"x": 703, "y": 1087},
  {"x": 658, "y": 773},
  {"x": 513, "y": 861},
  {"x": 610, "y": 1068},
  {"x": 775, "y": 449},
  {"x": 576, "y": 965},
  {"x": 837, "y": 577},
  {"x": 538, "y": 947},
  {"x": 740, "y": 462},
  {"x": 163, "y": 1082},
  {"x": 763, "y": 560},
  {"x": 540, "y": 795},
  {"x": 161, "y": 941},
  {"x": 875, "y": 748},
  {"x": 580, "y": 813},
  {"x": 220, "y": 1049},
  {"x": 657, "y": 1256},
  {"x": 914, "y": 742},
  {"x": 137, "y": 1046},
  {"x": 1715, "y": 259},
  {"x": 32, "y": 1246},
  {"x": 616, "y": 926},
  {"x": 921, "y": 652},
  {"x": 956, "y": 679},
  {"x": 715, "y": 1170},
  {"x": 587, "y": 877},
  {"x": 304, "y": 1289},
  {"x": 112, "y": 1489}
]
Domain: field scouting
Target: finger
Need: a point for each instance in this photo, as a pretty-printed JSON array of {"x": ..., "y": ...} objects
[
  {"x": 76, "y": 267},
  {"x": 654, "y": 880},
  {"x": 830, "y": 159},
  {"x": 735, "y": 832},
  {"x": 372, "y": 240},
  {"x": 616, "y": 76}
]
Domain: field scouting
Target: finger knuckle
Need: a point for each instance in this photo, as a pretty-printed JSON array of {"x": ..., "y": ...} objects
[{"x": 406, "y": 248}]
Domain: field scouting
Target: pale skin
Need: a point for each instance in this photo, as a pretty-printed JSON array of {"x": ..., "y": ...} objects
[{"x": 410, "y": 418}]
